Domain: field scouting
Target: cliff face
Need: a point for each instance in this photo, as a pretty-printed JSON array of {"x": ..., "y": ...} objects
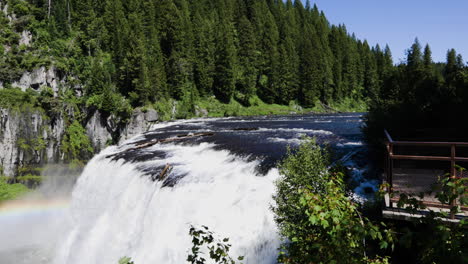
[{"x": 29, "y": 139}]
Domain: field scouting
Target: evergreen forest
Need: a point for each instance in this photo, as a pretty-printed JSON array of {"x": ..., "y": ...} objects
[{"x": 146, "y": 51}]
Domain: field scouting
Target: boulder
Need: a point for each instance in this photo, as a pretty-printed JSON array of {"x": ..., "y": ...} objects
[
  {"x": 97, "y": 131},
  {"x": 151, "y": 115}
]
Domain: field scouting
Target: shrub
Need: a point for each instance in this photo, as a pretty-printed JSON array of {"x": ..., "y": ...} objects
[
  {"x": 305, "y": 167},
  {"x": 319, "y": 223},
  {"x": 164, "y": 108},
  {"x": 14, "y": 98},
  {"x": 111, "y": 103},
  {"x": 126, "y": 260},
  {"x": 218, "y": 250},
  {"x": 75, "y": 143},
  {"x": 431, "y": 239}
]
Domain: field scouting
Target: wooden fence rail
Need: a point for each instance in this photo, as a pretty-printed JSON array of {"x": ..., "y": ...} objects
[{"x": 391, "y": 156}]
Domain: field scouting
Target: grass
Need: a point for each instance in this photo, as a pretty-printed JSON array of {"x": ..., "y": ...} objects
[
  {"x": 257, "y": 107},
  {"x": 350, "y": 105},
  {"x": 11, "y": 191}
]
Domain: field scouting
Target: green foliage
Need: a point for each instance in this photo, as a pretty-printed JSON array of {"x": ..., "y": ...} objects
[
  {"x": 164, "y": 108},
  {"x": 11, "y": 191},
  {"x": 29, "y": 180},
  {"x": 218, "y": 250},
  {"x": 349, "y": 105},
  {"x": 431, "y": 239},
  {"x": 15, "y": 98},
  {"x": 256, "y": 107},
  {"x": 34, "y": 144},
  {"x": 334, "y": 222},
  {"x": 316, "y": 217},
  {"x": 126, "y": 260},
  {"x": 111, "y": 103},
  {"x": 75, "y": 143}
]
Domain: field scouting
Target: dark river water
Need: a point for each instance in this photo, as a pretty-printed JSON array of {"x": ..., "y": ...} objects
[{"x": 266, "y": 139}]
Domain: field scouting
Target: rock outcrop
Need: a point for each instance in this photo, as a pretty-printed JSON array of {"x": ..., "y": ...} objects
[
  {"x": 39, "y": 78},
  {"x": 140, "y": 122},
  {"x": 98, "y": 131},
  {"x": 31, "y": 139},
  {"x": 26, "y": 38},
  {"x": 28, "y": 138}
]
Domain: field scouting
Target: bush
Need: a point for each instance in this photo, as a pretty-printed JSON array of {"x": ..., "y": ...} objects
[
  {"x": 126, "y": 260},
  {"x": 111, "y": 103},
  {"x": 164, "y": 108},
  {"x": 75, "y": 143},
  {"x": 305, "y": 167},
  {"x": 319, "y": 223},
  {"x": 218, "y": 250},
  {"x": 14, "y": 98},
  {"x": 431, "y": 239}
]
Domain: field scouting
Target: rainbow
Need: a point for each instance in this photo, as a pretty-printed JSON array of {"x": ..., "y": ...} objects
[{"x": 25, "y": 207}]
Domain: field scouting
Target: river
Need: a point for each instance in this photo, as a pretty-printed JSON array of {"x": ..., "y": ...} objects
[{"x": 222, "y": 174}]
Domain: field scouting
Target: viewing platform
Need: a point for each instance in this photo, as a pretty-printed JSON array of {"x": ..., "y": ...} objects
[{"x": 415, "y": 167}]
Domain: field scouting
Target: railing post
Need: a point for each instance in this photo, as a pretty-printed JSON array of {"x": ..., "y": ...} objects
[
  {"x": 390, "y": 172},
  {"x": 453, "y": 172}
]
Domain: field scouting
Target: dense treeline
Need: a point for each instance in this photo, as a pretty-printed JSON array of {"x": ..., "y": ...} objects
[
  {"x": 147, "y": 50},
  {"x": 420, "y": 99}
]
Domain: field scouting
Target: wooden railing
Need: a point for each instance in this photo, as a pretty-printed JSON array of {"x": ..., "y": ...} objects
[{"x": 391, "y": 156}]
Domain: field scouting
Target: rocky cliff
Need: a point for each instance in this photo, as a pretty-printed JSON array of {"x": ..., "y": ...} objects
[{"x": 30, "y": 139}]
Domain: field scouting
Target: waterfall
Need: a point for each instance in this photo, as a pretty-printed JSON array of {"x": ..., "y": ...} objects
[
  {"x": 117, "y": 210},
  {"x": 222, "y": 176}
]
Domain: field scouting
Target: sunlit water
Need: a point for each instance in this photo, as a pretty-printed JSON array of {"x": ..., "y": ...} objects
[{"x": 224, "y": 180}]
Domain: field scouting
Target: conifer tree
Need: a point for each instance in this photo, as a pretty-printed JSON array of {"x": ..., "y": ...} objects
[
  {"x": 427, "y": 57},
  {"x": 414, "y": 56},
  {"x": 224, "y": 79},
  {"x": 204, "y": 45},
  {"x": 247, "y": 57}
]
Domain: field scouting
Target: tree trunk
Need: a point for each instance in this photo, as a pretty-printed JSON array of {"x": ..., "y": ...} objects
[{"x": 48, "y": 8}]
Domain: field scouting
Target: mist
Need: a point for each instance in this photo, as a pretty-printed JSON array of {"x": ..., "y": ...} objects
[{"x": 32, "y": 225}]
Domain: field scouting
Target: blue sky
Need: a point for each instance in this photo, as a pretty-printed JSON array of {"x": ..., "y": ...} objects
[{"x": 442, "y": 24}]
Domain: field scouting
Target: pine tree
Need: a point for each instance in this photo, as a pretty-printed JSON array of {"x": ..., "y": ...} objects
[
  {"x": 309, "y": 68},
  {"x": 247, "y": 57},
  {"x": 204, "y": 46},
  {"x": 414, "y": 56},
  {"x": 427, "y": 57},
  {"x": 154, "y": 58},
  {"x": 371, "y": 83},
  {"x": 267, "y": 32},
  {"x": 176, "y": 44},
  {"x": 224, "y": 81},
  {"x": 387, "y": 62}
]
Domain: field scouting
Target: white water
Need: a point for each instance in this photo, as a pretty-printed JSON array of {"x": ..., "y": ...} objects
[{"x": 118, "y": 212}]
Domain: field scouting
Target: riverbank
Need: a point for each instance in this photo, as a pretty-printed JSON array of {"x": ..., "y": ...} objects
[{"x": 211, "y": 107}]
